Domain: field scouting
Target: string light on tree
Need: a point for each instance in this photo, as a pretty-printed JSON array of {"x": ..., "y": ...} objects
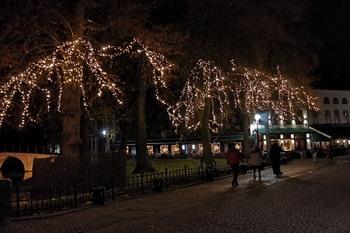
[
  {"x": 206, "y": 82},
  {"x": 65, "y": 67},
  {"x": 258, "y": 91},
  {"x": 160, "y": 65}
]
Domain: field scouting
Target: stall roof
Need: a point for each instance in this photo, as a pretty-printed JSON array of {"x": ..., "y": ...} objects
[
  {"x": 320, "y": 135},
  {"x": 287, "y": 129}
]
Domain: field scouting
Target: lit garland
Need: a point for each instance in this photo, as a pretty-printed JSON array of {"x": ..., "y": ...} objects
[
  {"x": 206, "y": 82},
  {"x": 65, "y": 67},
  {"x": 258, "y": 91},
  {"x": 243, "y": 88},
  {"x": 158, "y": 62}
]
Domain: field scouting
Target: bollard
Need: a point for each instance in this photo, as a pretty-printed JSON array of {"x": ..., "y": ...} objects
[{"x": 5, "y": 201}]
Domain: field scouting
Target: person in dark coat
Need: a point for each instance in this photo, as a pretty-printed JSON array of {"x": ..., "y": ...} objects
[
  {"x": 275, "y": 157},
  {"x": 233, "y": 157}
]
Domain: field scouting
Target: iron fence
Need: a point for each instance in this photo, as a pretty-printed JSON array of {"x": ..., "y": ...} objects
[
  {"x": 26, "y": 148},
  {"x": 28, "y": 201}
]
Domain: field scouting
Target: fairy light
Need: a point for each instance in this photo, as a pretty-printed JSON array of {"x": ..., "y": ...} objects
[
  {"x": 258, "y": 91},
  {"x": 206, "y": 82},
  {"x": 242, "y": 88},
  {"x": 65, "y": 67},
  {"x": 160, "y": 65}
]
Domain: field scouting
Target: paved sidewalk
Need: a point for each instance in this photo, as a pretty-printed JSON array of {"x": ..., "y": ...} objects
[{"x": 142, "y": 214}]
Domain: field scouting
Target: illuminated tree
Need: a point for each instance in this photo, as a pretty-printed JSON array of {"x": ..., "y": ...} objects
[
  {"x": 203, "y": 104},
  {"x": 256, "y": 91},
  {"x": 55, "y": 54},
  {"x": 210, "y": 95},
  {"x": 62, "y": 64},
  {"x": 148, "y": 69}
]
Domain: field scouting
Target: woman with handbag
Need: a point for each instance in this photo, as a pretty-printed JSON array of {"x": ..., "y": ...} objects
[{"x": 256, "y": 161}]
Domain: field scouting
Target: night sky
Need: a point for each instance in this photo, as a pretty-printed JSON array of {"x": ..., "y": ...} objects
[{"x": 329, "y": 24}]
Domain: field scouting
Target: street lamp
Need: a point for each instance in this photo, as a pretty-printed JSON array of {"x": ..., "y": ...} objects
[
  {"x": 257, "y": 118},
  {"x": 104, "y": 132}
]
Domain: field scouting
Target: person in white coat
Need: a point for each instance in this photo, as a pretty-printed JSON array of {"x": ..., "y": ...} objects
[{"x": 256, "y": 161}]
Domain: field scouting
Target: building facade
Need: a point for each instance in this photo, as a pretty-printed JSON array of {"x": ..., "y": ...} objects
[
  {"x": 334, "y": 108},
  {"x": 333, "y": 117}
]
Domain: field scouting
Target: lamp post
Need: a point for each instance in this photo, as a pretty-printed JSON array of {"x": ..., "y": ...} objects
[
  {"x": 257, "y": 118},
  {"x": 104, "y": 133},
  {"x": 106, "y": 140}
]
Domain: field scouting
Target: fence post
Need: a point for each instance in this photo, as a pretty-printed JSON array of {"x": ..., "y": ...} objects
[
  {"x": 31, "y": 202},
  {"x": 142, "y": 188},
  {"x": 75, "y": 194},
  {"x": 186, "y": 180},
  {"x": 112, "y": 186},
  {"x": 50, "y": 197},
  {"x": 5, "y": 201},
  {"x": 166, "y": 176},
  {"x": 17, "y": 200}
]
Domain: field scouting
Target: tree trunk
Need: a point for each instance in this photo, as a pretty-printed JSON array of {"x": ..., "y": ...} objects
[
  {"x": 124, "y": 128},
  {"x": 71, "y": 91},
  {"x": 85, "y": 150},
  {"x": 267, "y": 132},
  {"x": 142, "y": 162},
  {"x": 208, "y": 158},
  {"x": 71, "y": 120},
  {"x": 246, "y": 143}
]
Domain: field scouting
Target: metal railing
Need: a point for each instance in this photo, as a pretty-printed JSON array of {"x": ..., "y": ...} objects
[
  {"x": 26, "y": 148},
  {"x": 28, "y": 201}
]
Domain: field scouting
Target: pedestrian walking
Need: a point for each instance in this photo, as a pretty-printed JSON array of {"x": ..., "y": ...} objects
[
  {"x": 233, "y": 157},
  {"x": 255, "y": 161},
  {"x": 314, "y": 156},
  {"x": 275, "y": 157},
  {"x": 330, "y": 154}
]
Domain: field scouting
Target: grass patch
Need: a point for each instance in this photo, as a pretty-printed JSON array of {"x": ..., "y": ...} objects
[{"x": 172, "y": 164}]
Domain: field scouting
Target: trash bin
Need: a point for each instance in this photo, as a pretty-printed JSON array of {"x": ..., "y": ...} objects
[
  {"x": 5, "y": 201},
  {"x": 158, "y": 184},
  {"x": 98, "y": 195},
  {"x": 211, "y": 173}
]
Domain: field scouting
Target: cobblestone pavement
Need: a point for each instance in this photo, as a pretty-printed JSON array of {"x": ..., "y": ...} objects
[{"x": 309, "y": 198}]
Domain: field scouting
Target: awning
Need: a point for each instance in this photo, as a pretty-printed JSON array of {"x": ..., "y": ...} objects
[
  {"x": 287, "y": 130},
  {"x": 317, "y": 135}
]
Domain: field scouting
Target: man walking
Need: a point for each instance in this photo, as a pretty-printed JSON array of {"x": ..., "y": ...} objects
[
  {"x": 275, "y": 156},
  {"x": 233, "y": 157}
]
